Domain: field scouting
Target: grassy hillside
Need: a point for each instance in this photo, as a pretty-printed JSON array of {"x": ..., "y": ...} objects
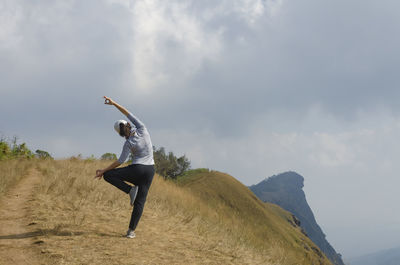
[
  {"x": 205, "y": 218},
  {"x": 264, "y": 226}
]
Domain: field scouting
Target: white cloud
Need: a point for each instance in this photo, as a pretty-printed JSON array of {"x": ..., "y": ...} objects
[
  {"x": 10, "y": 16},
  {"x": 250, "y": 10},
  {"x": 173, "y": 40},
  {"x": 124, "y": 3},
  {"x": 169, "y": 43},
  {"x": 332, "y": 150},
  {"x": 273, "y": 7}
]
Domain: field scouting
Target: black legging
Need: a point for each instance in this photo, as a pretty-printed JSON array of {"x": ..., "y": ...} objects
[{"x": 139, "y": 175}]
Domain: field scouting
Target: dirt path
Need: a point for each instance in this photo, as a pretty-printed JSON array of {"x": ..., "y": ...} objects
[{"x": 17, "y": 235}]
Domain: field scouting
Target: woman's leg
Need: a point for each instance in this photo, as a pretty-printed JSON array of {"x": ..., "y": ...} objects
[
  {"x": 144, "y": 186},
  {"x": 138, "y": 207},
  {"x": 117, "y": 176}
]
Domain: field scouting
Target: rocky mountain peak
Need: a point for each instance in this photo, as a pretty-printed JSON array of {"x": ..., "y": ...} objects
[
  {"x": 286, "y": 181},
  {"x": 286, "y": 190}
]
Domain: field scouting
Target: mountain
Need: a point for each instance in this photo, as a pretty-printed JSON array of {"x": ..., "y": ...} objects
[
  {"x": 286, "y": 190},
  {"x": 383, "y": 257}
]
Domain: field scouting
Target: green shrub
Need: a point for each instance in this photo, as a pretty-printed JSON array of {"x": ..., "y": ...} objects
[
  {"x": 168, "y": 165},
  {"x": 109, "y": 156},
  {"x": 14, "y": 150},
  {"x": 43, "y": 154}
]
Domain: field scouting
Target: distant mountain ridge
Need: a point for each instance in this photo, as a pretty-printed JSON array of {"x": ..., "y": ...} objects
[
  {"x": 383, "y": 257},
  {"x": 286, "y": 190}
]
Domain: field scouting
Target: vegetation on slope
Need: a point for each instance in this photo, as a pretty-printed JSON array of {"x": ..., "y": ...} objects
[
  {"x": 203, "y": 218},
  {"x": 15, "y": 160},
  {"x": 168, "y": 165},
  {"x": 11, "y": 172},
  {"x": 258, "y": 224},
  {"x": 82, "y": 221},
  {"x": 13, "y": 150}
]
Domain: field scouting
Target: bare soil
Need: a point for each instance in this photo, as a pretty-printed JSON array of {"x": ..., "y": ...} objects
[{"x": 17, "y": 233}]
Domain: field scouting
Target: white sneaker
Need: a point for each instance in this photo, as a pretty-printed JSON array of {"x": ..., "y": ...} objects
[
  {"x": 132, "y": 193},
  {"x": 130, "y": 233}
]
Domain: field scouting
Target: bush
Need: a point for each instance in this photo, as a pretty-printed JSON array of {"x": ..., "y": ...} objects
[
  {"x": 5, "y": 150},
  {"x": 168, "y": 165},
  {"x": 91, "y": 158},
  {"x": 43, "y": 154},
  {"x": 109, "y": 156},
  {"x": 14, "y": 150}
]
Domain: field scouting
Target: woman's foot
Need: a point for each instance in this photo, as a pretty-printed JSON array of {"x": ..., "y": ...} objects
[{"x": 130, "y": 233}]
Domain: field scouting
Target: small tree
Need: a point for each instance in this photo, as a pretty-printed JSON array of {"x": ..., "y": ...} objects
[
  {"x": 109, "y": 156},
  {"x": 20, "y": 150},
  {"x": 11, "y": 150},
  {"x": 5, "y": 151},
  {"x": 170, "y": 166},
  {"x": 183, "y": 165},
  {"x": 43, "y": 154},
  {"x": 23, "y": 151},
  {"x": 91, "y": 158}
]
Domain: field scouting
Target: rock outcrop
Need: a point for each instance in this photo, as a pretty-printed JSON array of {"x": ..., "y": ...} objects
[{"x": 286, "y": 190}]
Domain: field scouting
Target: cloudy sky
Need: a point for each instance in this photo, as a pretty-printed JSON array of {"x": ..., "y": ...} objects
[{"x": 248, "y": 87}]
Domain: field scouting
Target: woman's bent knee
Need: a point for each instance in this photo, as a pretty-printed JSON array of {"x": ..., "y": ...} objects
[{"x": 107, "y": 176}]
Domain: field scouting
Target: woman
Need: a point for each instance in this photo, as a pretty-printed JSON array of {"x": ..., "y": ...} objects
[{"x": 140, "y": 173}]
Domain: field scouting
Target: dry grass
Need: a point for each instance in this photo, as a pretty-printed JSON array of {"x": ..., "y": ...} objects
[
  {"x": 11, "y": 172},
  {"x": 83, "y": 221},
  {"x": 208, "y": 219},
  {"x": 261, "y": 226}
]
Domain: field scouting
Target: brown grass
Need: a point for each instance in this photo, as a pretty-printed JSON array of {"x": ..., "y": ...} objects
[
  {"x": 82, "y": 221},
  {"x": 11, "y": 172},
  {"x": 262, "y": 226}
]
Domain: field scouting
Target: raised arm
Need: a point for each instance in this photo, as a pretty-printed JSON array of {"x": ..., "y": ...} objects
[
  {"x": 109, "y": 101},
  {"x": 138, "y": 123}
]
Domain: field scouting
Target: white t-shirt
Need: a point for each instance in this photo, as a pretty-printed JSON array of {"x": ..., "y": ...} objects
[{"x": 139, "y": 144}]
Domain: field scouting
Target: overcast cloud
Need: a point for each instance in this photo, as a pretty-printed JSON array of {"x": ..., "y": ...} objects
[{"x": 249, "y": 87}]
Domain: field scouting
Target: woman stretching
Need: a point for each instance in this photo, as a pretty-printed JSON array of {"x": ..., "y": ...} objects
[{"x": 140, "y": 173}]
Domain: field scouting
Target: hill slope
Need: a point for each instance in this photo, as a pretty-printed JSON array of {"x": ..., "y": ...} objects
[
  {"x": 208, "y": 218},
  {"x": 261, "y": 224},
  {"x": 286, "y": 191}
]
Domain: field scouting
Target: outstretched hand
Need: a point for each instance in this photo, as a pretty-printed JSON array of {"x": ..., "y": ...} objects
[
  {"x": 99, "y": 173},
  {"x": 108, "y": 101}
]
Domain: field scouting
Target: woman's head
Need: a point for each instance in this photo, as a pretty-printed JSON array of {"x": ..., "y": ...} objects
[{"x": 123, "y": 128}]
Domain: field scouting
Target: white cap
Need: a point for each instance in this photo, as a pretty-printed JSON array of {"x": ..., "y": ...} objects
[{"x": 117, "y": 123}]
